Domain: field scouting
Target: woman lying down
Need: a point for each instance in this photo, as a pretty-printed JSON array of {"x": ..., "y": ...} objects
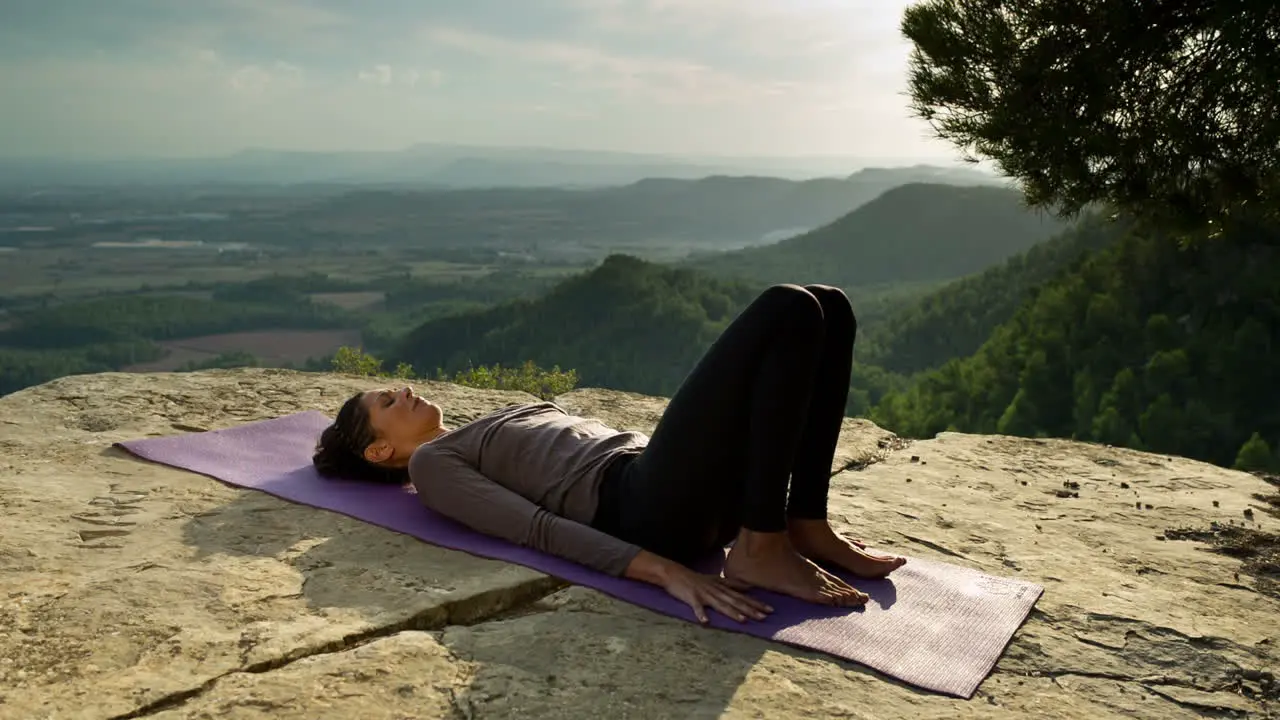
[{"x": 759, "y": 415}]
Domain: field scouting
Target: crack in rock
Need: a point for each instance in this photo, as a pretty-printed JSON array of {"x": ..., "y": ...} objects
[
  {"x": 1154, "y": 685},
  {"x": 1207, "y": 675},
  {"x": 468, "y": 611},
  {"x": 934, "y": 546},
  {"x": 1205, "y": 709}
]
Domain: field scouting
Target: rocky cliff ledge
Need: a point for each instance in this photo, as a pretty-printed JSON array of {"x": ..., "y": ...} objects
[{"x": 132, "y": 590}]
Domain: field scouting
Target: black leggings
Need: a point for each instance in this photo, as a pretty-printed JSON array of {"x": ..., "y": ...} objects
[{"x": 762, "y": 407}]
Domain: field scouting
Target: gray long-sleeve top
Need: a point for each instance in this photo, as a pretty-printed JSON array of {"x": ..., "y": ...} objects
[{"x": 529, "y": 474}]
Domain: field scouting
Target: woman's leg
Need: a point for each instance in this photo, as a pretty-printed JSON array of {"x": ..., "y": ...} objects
[
  {"x": 807, "y": 526},
  {"x": 729, "y": 433},
  {"x": 723, "y": 452},
  {"x": 816, "y": 449}
]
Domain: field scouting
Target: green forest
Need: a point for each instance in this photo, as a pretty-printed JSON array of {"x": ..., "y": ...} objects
[
  {"x": 627, "y": 324},
  {"x": 1146, "y": 344},
  {"x": 958, "y": 318}
]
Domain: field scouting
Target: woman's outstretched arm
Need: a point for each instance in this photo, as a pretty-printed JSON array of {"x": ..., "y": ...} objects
[{"x": 449, "y": 485}]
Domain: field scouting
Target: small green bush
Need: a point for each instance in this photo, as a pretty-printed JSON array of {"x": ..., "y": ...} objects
[
  {"x": 354, "y": 361},
  {"x": 530, "y": 378},
  {"x": 1255, "y": 455}
]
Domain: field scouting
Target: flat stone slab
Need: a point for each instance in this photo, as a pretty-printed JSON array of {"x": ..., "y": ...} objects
[
  {"x": 127, "y": 584},
  {"x": 133, "y": 590}
]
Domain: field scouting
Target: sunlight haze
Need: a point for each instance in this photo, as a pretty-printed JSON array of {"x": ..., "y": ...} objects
[{"x": 89, "y": 79}]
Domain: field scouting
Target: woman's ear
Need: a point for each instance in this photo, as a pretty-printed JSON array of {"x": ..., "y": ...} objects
[{"x": 378, "y": 452}]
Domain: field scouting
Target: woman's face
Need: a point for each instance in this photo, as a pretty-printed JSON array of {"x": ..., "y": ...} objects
[{"x": 401, "y": 421}]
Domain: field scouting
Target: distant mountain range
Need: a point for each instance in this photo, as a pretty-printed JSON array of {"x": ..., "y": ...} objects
[
  {"x": 436, "y": 165},
  {"x": 720, "y": 211},
  {"x": 912, "y": 233}
]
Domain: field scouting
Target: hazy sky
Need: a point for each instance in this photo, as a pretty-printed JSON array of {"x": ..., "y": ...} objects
[{"x": 200, "y": 77}]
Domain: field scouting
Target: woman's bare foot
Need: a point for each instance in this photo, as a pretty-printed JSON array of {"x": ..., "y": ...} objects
[
  {"x": 768, "y": 561},
  {"x": 816, "y": 540}
]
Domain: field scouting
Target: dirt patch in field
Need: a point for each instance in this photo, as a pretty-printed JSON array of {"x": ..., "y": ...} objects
[
  {"x": 350, "y": 300},
  {"x": 271, "y": 347}
]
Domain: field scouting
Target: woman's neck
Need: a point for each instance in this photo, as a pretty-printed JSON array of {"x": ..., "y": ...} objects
[{"x": 434, "y": 433}]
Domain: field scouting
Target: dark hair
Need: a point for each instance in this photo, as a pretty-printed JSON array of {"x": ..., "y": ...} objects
[{"x": 340, "y": 451}]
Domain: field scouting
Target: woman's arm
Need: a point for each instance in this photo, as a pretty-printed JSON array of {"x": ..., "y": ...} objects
[
  {"x": 651, "y": 568},
  {"x": 449, "y": 485}
]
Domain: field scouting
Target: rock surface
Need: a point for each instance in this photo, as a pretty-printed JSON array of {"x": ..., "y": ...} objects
[{"x": 132, "y": 590}]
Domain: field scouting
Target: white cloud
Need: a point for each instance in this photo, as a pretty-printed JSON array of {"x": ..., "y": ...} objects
[
  {"x": 377, "y": 75},
  {"x": 776, "y": 28},
  {"x": 202, "y": 105},
  {"x": 206, "y": 57},
  {"x": 254, "y": 78},
  {"x": 717, "y": 76},
  {"x": 429, "y": 78},
  {"x": 385, "y": 75},
  {"x": 250, "y": 78},
  {"x": 283, "y": 27},
  {"x": 663, "y": 79},
  {"x": 286, "y": 22}
]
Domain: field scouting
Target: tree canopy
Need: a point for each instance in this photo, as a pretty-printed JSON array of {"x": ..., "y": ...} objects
[
  {"x": 627, "y": 324},
  {"x": 1163, "y": 108},
  {"x": 955, "y": 320},
  {"x": 1144, "y": 344}
]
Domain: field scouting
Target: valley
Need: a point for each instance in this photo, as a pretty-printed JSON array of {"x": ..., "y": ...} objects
[
  {"x": 366, "y": 265},
  {"x": 969, "y": 302}
]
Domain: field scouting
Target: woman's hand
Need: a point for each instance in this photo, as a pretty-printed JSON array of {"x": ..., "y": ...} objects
[
  {"x": 697, "y": 590},
  {"x": 700, "y": 591}
]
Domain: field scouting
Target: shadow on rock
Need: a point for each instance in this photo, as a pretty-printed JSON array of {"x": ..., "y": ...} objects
[{"x": 350, "y": 564}]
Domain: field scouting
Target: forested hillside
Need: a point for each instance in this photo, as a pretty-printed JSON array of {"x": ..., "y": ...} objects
[
  {"x": 627, "y": 324},
  {"x": 1147, "y": 345},
  {"x": 912, "y": 233},
  {"x": 957, "y": 319}
]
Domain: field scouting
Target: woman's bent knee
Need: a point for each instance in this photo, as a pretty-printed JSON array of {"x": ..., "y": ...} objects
[
  {"x": 836, "y": 307},
  {"x": 800, "y": 306}
]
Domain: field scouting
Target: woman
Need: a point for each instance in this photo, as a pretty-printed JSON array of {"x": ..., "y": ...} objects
[{"x": 759, "y": 415}]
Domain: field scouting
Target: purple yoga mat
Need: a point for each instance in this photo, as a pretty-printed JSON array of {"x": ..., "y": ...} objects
[{"x": 936, "y": 626}]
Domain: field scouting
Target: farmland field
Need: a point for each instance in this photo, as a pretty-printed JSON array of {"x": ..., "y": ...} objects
[
  {"x": 350, "y": 300},
  {"x": 271, "y": 347}
]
